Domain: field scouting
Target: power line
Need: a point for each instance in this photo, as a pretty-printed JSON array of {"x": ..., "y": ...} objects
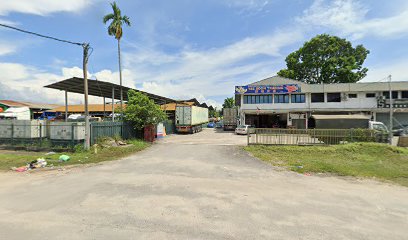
[{"x": 41, "y": 35}]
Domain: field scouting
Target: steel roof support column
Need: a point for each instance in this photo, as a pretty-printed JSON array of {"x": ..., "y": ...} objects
[
  {"x": 66, "y": 106},
  {"x": 113, "y": 104}
]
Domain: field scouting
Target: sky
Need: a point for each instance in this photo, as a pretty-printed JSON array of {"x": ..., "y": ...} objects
[{"x": 188, "y": 48}]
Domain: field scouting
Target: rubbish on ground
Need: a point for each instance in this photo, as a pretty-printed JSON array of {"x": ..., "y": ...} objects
[
  {"x": 20, "y": 169},
  {"x": 307, "y": 174},
  {"x": 39, "y": 163},
  {"x": 300, "y": 167},
  {"x": 121, "y": 143},
  {"x": 64, "y": 158},
  {"x": 50, "y": 153}
]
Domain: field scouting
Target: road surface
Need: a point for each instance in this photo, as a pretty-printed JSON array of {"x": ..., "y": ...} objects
[{"x": 197, "y": 187}]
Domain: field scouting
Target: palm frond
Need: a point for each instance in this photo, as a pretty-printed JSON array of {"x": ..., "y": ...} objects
[
  {"x": 108, "y": 17},
  {"x": 116, "y": 10},
  {"x": 126, "y": 20}
]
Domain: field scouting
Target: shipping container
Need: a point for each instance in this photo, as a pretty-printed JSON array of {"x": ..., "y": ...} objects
[
  {"x": 230, "y": 118},
  {"x": 22, "y": 129},
  {"x": 189, "y": 119}
]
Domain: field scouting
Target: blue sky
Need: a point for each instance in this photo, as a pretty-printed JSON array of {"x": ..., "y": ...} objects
[{"x": 185, "y": 48}]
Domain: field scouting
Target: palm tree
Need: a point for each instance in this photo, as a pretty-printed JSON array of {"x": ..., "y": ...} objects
[{"x": 115, "y": 29}]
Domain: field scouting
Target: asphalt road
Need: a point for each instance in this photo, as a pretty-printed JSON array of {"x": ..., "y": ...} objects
[{"x": 197, "y": 187}]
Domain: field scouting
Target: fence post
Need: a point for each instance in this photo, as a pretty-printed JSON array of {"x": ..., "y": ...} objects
[
  {"x": 12, "y": 132},
  {"x": 72, "y": 134},
  {"x": 248, "y": 136},
  {"x": 40, "y": 134}
]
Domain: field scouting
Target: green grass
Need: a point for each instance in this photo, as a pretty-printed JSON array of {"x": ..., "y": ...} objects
[
  {"x": 21, "y": 158},
  {"x": 372, "y": 160}
]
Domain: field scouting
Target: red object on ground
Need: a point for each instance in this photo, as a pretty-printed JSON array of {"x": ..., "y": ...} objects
[
  {"x": 1, "y": 110},
  {"x": 149, "y": 133}
]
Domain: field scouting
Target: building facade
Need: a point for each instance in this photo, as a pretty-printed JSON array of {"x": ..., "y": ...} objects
[{"x": 282, "y": 102}]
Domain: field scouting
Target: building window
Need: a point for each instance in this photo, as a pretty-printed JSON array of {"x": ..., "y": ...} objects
[
  {"x": 281, "y": 98},
  {"x": 387, "y": 95},
  {"x": 317, "y": 97},
  {"x": 404, "y": 94},
  {"x": 333, "y": 97},
  {"x": 298, "y": 98},
  {"x": 255, "y": 99},
  {"x": 352, "y": 95},
  {"x": 370, "y": 95}
]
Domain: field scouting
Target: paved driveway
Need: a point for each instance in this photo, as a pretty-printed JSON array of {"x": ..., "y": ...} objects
[{"x": 199, "y": 190}]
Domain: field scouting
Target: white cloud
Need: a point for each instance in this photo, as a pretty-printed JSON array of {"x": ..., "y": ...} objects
[
  {"x": 42, "y": 7},
  {"x": 23, "y": 82},
  {"x": 7, "y": 48},
  {"x": 349, "y": 18},
  {"x": 212, "y": 73},
  {"x": 397, "y": 69},
  {"x": 247, "y": 5}
]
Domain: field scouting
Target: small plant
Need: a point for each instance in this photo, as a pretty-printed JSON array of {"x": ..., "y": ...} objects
[{"x": 79, "y": 148}]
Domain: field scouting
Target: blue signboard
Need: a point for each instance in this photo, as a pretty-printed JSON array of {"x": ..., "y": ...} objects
[{"x": 267, "y": 89}]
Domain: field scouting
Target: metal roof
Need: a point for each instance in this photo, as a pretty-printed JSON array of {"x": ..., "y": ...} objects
[
  {"x": 101, "y": 89},
  {"x": 91, "y": 108},
  {"x": 35, "y": 106}
]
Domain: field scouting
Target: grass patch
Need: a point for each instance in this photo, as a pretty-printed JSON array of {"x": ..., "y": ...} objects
[
  {"x": 372, "y": 160},
  {"x": 21, "y": 158}
]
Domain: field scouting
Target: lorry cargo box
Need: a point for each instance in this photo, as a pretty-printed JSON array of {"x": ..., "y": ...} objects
[
  {"x": 190, "y": 118},
  {"x": 230, "y": 119}
]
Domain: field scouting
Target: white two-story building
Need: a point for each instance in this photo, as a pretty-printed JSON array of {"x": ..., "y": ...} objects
[{"x": 282, "y": 102}]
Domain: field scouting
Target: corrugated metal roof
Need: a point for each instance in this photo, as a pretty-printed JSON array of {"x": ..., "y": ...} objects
[
  {"x": 40, "y": 106},
  {"x": 101, "y": 89},
  {"x": 81, "y": 108},
  {"x": 172, "y": 106}
]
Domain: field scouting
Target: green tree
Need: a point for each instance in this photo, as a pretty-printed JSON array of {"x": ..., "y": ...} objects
[
  {"x": 326, "y": 59},
  {"x": 229, "y": 103},
  {"x": 115, "y": 29},
  {"x": 142, "y": 111},
  {"x": 214, "y": 113}
]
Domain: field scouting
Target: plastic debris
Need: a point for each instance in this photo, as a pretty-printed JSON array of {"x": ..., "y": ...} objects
[
  {"x": 64, "y": 158},
  {"x": 39, "y": 163},
  {"x": 50, "y": 153},
  {"x": 20, "y": 169}
]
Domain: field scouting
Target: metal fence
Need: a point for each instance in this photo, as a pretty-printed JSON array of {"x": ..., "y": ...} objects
[
  {"x": 276, "y": 136},
  {"x": 124, "y": 130},
  {"x": 40, "y": 134}
]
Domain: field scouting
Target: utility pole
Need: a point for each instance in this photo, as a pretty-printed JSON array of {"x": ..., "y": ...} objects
[
  {"x": 391, "y": 109},
  {"x": 87, "y": 141}
]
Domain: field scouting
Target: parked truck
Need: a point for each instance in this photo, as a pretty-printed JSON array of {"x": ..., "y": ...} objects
[
  {"x": 230, "y": 118},
  {"x": 350, "y": 122},
  {"x": 189, "y": 119}
]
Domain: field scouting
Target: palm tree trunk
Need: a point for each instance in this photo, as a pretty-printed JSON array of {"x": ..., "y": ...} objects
[{"x": 120, "y": 77}]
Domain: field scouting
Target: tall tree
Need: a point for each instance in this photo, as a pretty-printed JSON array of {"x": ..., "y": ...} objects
[
  {"x": 229, "y": 103},
  {"x": 115, "y": 29},
  {"x": 326, "y": 59}
]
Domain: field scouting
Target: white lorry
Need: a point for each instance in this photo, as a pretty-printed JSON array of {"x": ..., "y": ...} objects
[
  {"x": 189, "y": 119},
  {"x": 17, "y": 113}
]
